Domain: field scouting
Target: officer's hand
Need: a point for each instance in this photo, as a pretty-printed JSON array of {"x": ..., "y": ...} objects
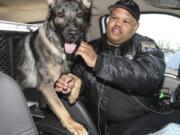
[
  {"x": 87, "y": 53},
  {"x": 65, "y": 83}
]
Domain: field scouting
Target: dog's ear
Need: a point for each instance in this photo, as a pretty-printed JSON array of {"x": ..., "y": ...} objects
[
  {"x": 50, "y": 2},
  {"x": 87, "y": 3}
]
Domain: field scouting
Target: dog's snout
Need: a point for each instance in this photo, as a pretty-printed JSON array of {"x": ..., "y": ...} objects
[{"x": 73, "y": 33}]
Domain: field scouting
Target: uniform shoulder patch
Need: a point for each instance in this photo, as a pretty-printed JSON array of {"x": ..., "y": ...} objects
[{"x": 148, "y": 46}]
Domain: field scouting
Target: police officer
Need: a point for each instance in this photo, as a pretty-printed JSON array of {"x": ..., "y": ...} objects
[{"x": 121, "y": 72}]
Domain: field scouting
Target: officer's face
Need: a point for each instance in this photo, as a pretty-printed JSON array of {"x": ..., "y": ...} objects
[{"x": 121, "y": 26}]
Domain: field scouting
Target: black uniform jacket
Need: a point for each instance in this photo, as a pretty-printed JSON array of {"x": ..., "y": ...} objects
[{"x": 126, "y": 79}]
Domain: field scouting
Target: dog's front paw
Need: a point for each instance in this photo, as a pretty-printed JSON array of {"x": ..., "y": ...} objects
[
  {"x": 75, "y": 91},
  {"x": 72, "y": 99},
  {"x": 75, "y": 128}
]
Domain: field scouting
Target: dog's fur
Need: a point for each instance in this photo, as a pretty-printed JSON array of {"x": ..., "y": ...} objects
[{"x": 42, "y": 58}]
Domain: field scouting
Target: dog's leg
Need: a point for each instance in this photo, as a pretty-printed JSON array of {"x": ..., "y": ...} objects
[
  {"x": 75, "y": 91},
  {"x": 60, "y": 111}
]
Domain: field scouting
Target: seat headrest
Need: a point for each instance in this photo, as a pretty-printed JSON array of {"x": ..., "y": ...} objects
[{"x": 103, "y": 23}]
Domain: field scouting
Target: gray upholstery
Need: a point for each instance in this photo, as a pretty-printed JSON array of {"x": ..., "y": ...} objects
[{"x": 15, "y": 117}]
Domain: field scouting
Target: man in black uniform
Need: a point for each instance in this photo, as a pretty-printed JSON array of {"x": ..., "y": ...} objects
[{"x": 121, "y": 72}]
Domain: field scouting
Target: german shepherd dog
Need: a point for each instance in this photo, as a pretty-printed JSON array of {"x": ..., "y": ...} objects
[{"x": 42, "y": 56}]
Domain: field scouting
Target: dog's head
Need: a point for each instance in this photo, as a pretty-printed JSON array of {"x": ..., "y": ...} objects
[{"x": 69, "y": 19}]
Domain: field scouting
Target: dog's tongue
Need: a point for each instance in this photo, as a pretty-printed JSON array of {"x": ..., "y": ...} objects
[{"x": 69, "y": 48}]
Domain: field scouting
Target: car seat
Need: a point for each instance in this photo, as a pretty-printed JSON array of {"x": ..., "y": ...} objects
[
  {"x": 15, "y": 117},
  {"x": 50, "y": 123}
]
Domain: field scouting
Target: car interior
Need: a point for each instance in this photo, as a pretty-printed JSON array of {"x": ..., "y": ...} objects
[{"x": 21, "y": 110}]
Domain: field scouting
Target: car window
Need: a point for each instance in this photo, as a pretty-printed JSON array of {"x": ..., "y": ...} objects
[{"x": 165, "y": 30}]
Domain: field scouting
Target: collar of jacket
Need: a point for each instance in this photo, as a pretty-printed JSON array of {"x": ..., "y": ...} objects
[{"x": 103, "y": 46}]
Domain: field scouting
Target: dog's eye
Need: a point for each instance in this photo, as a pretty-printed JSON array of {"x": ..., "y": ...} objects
[
  {"x": 80, "y": 15},
  {"x": 61, "y": 14}
]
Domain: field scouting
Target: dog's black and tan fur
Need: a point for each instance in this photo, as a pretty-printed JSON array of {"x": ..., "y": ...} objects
[{"x": 42, "y": 58}]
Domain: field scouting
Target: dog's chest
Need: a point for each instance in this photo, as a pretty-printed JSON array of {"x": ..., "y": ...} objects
[
  {"x": 56, "y": 63},
  {"x": 52, "y": 56}
]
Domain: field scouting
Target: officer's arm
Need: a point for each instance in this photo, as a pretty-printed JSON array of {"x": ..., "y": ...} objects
[{"x": 142, "y": 75}]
